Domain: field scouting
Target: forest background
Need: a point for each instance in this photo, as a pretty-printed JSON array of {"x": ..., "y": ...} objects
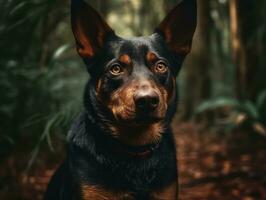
[{"x": 222, "y": 86}]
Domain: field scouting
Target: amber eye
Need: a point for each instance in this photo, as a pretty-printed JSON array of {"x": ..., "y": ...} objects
[
  {"x": 161, "y": 67},
  {"x": 116, "y": 69}
]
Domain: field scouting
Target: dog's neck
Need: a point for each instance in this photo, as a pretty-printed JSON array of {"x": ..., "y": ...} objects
[
  {"x": 107, "y": 154},
  {"x": 122, "y": 147}
]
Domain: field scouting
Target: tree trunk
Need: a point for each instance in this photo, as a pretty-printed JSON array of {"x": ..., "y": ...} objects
[{"x": 244, "y": 50}]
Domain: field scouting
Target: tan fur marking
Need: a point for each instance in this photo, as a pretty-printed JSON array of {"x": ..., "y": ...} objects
[
  {"x": 84, "y": 46},
  {"x": 138, "y": 135},
  {"x": 125, "y": 59},
  {"x": 123, "y": 107},
  {"x": 151, "y": 57},
  {"x": 98, "y": 86},
  {"x": 89, "y": 192},
  {"x": 168, "y": 193}
]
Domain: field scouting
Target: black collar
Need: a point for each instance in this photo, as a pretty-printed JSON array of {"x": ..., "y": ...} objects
[{"x": 143, "y": 151}]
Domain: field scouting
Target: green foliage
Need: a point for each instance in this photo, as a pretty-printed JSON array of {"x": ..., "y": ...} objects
[
  {"x": 216, "y": 103},
  {"x": 40, "y": 91},
  {"x": 240, "y": 112}
]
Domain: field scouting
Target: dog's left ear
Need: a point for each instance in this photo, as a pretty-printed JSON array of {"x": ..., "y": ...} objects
[
  {"x": 179, "y": 26},
  {"x": 89, "y": 29}
]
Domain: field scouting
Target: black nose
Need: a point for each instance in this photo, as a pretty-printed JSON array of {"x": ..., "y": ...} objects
[{"x": 146, "y": 101}]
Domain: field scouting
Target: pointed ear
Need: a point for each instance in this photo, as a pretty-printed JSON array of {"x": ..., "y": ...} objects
[
  {"x": 89, "y": 29},
  {"x": 179, "y": 26}
]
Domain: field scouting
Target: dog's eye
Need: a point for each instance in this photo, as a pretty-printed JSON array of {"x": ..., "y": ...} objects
[
  {"x": 161, "y": 67},
  {"x": 116, "y": 69}
]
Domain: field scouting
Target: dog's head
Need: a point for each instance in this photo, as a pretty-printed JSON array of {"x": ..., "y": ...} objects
[{"x": 134, "y": 79}]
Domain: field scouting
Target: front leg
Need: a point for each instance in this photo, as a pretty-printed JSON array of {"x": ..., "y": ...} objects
[
  {"x": 92, "y": 192},
  {"x": 168, "y": 193}
]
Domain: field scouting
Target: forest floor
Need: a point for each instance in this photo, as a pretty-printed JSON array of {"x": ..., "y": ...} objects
[{"x": 212, "y": 166}]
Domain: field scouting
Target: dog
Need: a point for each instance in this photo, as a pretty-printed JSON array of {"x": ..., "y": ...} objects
[{"x": 121, "y": 146}]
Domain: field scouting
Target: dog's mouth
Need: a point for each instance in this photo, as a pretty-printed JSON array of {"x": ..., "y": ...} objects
[
  {"x": 146, "y": 121},
  {"x": 139, "y": 119},
  {"x": 137, "y": 129}
]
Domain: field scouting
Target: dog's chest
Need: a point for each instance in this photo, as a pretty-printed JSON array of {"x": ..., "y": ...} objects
[{"x": 89, "y": 192}]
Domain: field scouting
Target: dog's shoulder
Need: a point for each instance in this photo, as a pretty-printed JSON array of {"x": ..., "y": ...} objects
[
  {"x": 60, "y": 185},
  {"x": 78, "y": 127}
]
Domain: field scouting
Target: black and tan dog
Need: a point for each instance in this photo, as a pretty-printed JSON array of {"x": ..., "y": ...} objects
[{"x": 122, "y": 147}]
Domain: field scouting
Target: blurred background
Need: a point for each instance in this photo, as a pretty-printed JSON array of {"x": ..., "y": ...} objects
[{"x": 221, "y": 117}]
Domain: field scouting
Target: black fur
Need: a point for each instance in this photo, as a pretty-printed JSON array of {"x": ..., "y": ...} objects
[
  {"x": 93, "y": 156},
  {"x": 90, "y": 155}
]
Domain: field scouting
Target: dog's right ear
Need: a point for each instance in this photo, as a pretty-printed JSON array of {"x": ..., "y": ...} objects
[{"x": 89, "y": 29}]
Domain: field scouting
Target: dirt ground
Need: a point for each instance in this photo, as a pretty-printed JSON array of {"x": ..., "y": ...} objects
[
  {"x": 212, "y": 166},
  {"x": 221, "y": 166}
]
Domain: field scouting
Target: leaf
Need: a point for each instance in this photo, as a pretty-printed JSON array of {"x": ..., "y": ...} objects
[
  {"x": 260, "y": 128},
  {"x": 17, "y": 8},
  {"x": 251, "y": 109},
  {"x": 261, "y": 100},
  {"x": 240, "y": 118},
  {"x": 60, "y": 50},
  {"x": 7, "y": 138},
  {"x": 47, "y": 130},
  {"x": 216, "y": 103}
]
